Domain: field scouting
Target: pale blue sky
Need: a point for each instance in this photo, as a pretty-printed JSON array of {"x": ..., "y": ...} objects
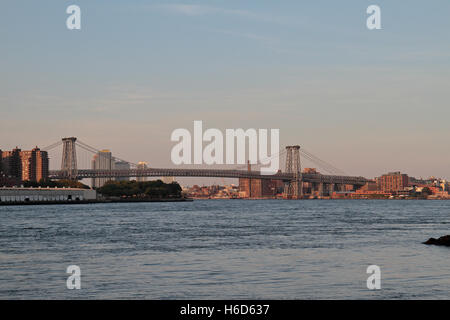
[{"x": 366, "y": 101}]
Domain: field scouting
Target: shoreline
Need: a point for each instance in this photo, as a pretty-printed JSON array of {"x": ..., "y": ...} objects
[
  {"x": 75, "y": 202},
  {"x": 30, "y": 203}
]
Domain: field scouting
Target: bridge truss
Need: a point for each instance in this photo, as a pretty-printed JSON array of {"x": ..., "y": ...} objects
[{"x": 293, "y": 178}]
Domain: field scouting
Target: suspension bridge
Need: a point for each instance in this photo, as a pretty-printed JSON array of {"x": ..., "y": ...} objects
[{"x": 292, "y": 177}]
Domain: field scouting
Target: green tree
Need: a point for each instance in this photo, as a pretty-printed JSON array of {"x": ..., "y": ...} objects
[{"x": 147, "y": 189}]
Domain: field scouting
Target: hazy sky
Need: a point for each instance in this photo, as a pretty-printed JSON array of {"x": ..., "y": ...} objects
[{"x": 366, "y": 101}]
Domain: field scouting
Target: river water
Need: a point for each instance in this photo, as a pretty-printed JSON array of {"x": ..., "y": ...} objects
[{"x": 226, "y": 249}]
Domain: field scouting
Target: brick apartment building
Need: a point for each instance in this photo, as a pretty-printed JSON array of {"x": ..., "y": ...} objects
[
  {"x": 392, "y": 182},
  {"x": 11, "y": 163},
  {"x": 32, "y": 165}
]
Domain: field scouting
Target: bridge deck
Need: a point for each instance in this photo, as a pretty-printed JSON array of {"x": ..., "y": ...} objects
[{"x": 220, "y": 173}]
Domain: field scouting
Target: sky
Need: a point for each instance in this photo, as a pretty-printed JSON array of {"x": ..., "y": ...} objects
[{"x": 367, "y": 101}]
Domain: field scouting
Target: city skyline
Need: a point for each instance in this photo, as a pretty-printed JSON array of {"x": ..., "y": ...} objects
[
  {"x": 105, "y": 160},
  {"x": 369, "y": 102},
  {"x": 31, "y": 168}
]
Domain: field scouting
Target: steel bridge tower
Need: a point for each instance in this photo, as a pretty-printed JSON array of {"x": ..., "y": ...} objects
[
  {"x": 69, "y": 158},
  {"x": 293, "y": 188}
]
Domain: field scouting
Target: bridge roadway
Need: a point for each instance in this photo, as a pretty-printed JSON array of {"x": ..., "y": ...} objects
[{"x": 220, "y": 173}]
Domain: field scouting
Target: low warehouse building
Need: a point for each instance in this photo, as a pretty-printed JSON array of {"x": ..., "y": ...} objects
[{"x": 46, "y": 194}]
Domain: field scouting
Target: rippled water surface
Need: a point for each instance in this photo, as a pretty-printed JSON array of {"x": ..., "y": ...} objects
[{"x": 226, "y": 249}]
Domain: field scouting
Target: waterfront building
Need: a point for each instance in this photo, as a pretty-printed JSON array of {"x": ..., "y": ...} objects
[
  {"x": 307, "y": 187},
  {"x": 370, "y": 186},
  {"x": 27, "y": 166},
  {"x": 142, "y": 165},
  {"x": 102, "y": 160},
  {"x": 122, "y": 165},
  {"x": 34, "y": 165},
  {"x": 417, "y": 182},
  {"x": 11, "y": 163},
  {"x": 20, "y": 195},
  {"x": 392, "y": 182},
  {"x": 259, "y": 188},
  {"x": 42, "y": 164}
]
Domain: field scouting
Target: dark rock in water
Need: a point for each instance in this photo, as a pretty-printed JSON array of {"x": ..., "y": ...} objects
[{"x": 442, "y": 241}]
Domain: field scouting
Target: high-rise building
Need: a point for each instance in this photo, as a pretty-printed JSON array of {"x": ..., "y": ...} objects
[
  {"x": 11, "y": 163},
  {"x": 27, "y": 165},
  {"x": 34, "y": 165},
  {"x": 102, "y": 160},
  {"x": 142, "y": 165},
  {"x": 122, "y": 165},
  {"x": 42, "y": 164}
]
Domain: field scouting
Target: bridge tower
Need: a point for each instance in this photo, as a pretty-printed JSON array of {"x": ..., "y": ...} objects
[
  {"x": 293, "y": 188},
  {"x": 69, "y": 158}
]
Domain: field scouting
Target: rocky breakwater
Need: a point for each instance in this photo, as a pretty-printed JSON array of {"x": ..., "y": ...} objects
[{"x": 442, "y": 241}]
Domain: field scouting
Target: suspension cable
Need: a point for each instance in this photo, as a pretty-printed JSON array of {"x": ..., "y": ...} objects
[
  {"x": 318, "y": 165},
  {"x": 275, "y": 155},
  {"x": 87, "y": 147},
  {"x": 323, "y": 164},
  {"x": 52, "y": 146}
]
